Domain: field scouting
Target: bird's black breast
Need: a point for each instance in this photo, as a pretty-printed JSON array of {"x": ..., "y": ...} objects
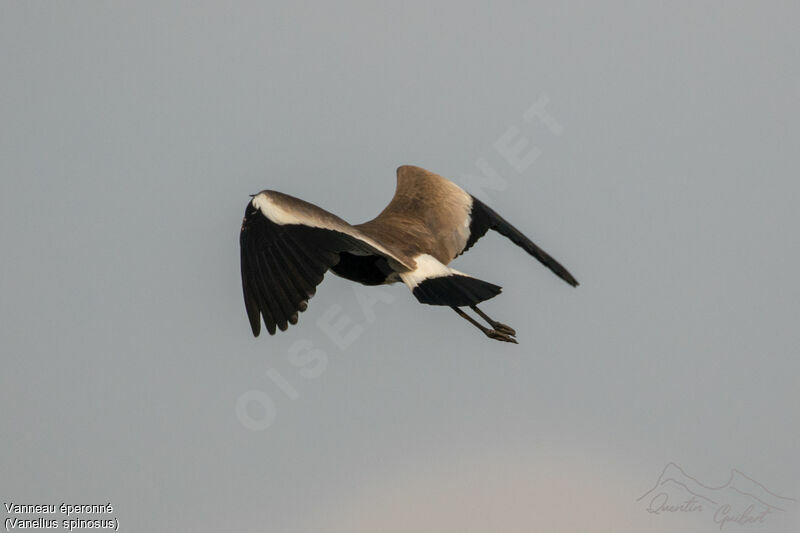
[{"x": 364, "y": 269}]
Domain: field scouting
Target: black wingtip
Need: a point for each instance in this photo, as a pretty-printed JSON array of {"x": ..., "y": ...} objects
[
  {"x": 569, "y": 279},
  {"x": 485, "y": 218}
]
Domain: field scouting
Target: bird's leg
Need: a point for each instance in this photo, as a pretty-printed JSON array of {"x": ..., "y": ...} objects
[
  {"x": 498, "y": 326},
  {"x": 491, "y": 333}
]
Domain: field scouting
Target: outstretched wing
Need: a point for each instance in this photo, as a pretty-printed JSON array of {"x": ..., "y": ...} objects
[
  {"x": 483, "y": 218},
  {"x": 287, "y": 245}
]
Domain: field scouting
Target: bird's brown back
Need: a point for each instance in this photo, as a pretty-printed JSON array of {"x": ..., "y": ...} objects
[{"x": 427, "y": 215}]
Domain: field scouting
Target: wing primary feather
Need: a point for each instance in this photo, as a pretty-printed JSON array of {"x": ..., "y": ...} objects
[
  {"x": 311, "y": 260},
  {"x": 268, "y": 308},
  {"x": 284, "y": 294},
  {"x": 250, "y": 300},
  {"x": 301, "y": 286},
  {"x": 279, "y": 305},
  {"x": 283, "y": 274},
  {"x": 260, "y": 297},
  {"x": 485, "y": 217},
  {"x": 309, "y": 275}
]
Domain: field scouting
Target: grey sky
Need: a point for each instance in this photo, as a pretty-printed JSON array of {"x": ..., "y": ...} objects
[{"x": 132, "y": 133}]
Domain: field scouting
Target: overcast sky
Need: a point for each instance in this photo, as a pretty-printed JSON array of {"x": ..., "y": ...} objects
[{"x": 652, "y": 149}]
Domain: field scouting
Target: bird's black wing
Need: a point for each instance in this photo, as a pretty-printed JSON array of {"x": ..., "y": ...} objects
[
  {"x": 283, "y": 262},
  {"x": 483, "y": 218}
]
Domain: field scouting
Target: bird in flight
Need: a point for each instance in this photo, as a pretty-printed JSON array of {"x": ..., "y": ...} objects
[{"x": 287, "y": 245}]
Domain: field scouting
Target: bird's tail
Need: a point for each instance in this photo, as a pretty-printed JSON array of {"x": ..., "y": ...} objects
[
  {"x": 456, "y": 290},
  {"x": 434, "y": 283}
]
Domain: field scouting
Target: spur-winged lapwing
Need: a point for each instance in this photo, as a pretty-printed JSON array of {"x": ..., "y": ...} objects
[{"x": 287, "y": 245}]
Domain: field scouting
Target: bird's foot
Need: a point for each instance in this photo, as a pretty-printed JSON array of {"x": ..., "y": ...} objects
[
  {"x": 500, "y": 336},
  {"x": 502, "y": 328}
]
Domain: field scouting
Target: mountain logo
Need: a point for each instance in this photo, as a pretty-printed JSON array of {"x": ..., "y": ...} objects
[{"x": 741, "y": 500}]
